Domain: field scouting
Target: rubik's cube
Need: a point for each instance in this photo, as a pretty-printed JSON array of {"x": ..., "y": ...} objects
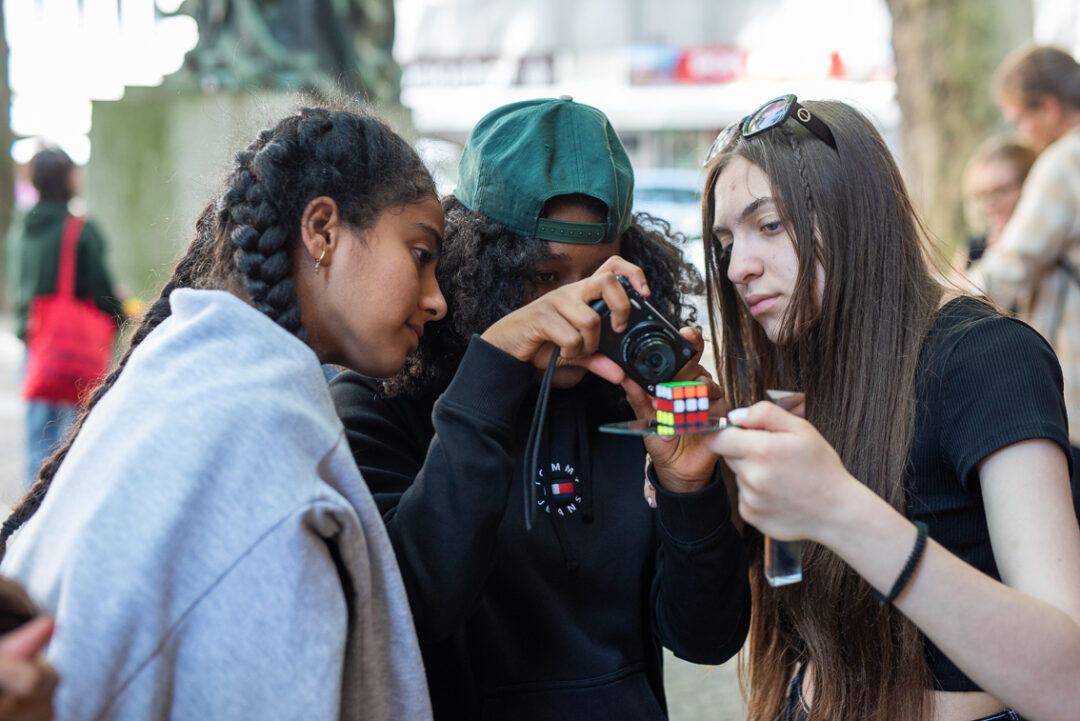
[{"x": 679, "y": 405}]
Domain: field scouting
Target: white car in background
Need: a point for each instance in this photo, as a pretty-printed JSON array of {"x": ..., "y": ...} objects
[{"x": 674, "y": 194}]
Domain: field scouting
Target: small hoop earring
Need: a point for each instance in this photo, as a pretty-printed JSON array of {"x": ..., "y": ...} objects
[{"x": 318, "y": 261}]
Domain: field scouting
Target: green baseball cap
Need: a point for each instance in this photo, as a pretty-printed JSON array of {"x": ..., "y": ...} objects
[{"x": 521, "y": 155}]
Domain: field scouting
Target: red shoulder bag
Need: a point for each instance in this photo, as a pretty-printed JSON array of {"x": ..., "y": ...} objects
[{"x": 69, "y": 340}]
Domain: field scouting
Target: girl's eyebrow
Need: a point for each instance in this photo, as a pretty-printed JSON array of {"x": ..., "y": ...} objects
[
  {"x": 746, "y": 212},
  {"x": 431, "y": 230}
]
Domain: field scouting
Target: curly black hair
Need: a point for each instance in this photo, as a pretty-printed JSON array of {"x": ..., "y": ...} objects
[
  {"x": 244, "y": 239},
  {"x": 486, "y": 271}
]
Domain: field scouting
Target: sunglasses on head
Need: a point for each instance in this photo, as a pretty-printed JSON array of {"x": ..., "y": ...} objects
[{"x": 771, "y": 115}]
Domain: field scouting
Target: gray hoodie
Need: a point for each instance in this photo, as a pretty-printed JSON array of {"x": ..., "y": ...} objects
[{"x": 209, "y": 547}]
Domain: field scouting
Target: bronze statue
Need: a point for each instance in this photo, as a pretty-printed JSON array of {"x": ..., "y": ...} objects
[{"x": 326, "y": 46}]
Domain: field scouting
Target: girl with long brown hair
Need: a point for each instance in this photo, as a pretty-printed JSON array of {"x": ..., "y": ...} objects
[{"x": 930, "y": 477}]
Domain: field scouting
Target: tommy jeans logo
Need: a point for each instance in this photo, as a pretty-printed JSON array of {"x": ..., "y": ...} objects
[{"x": 558, "y": 487}]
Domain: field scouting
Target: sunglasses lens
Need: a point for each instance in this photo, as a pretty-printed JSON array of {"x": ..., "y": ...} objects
[
  {"x": 722, "y": 141},
  {"x": 768, "y": 116}
]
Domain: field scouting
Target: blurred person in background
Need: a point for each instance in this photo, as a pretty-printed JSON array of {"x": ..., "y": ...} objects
[
  {"x": 993, "y": 180},
  {"x": 1034, "y": 268},
  {"x": 37, "y": 247}
]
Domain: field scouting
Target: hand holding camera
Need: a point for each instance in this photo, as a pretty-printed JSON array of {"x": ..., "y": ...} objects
[
  {"x": 563, "y": 318},
  {"x": 650, "y": 349}
]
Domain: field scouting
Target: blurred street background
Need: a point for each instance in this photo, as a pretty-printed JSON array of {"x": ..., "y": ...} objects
[
  {"x": 150, "y": 97},
  {"x": 12, "y": 454}
]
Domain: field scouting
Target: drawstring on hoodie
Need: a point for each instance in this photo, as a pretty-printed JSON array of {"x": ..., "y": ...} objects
[
  {"x": 564, "y": 543},
  {"x": 533, "y": 464},
  {"x": 532, "y": 443}
]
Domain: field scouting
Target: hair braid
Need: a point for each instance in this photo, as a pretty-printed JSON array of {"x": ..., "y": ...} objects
[
  {"x": 803, "y": 175},
  {"x": 262, "y": 244}
]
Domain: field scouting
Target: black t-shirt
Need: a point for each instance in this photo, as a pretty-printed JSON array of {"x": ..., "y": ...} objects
[{"x": 985, "y": 382}]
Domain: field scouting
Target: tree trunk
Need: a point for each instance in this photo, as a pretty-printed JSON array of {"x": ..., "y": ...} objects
[
  {"x": 946, "y": 52},
  {"x": 7, "y": 165}
]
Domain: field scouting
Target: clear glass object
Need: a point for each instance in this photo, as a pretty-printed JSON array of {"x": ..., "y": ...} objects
[
  {"x": 783, "y": 562},
  {"x": 648, "y": 427},
  {"x": 783, "y": 559}
]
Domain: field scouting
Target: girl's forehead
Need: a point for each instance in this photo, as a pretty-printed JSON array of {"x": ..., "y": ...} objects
[
  {"x": 739, "y": 183},
  {"x": 741, "y": 173}
]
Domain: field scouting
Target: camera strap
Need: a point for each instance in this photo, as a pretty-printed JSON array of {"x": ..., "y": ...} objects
[{"x": 532, "y": 444}]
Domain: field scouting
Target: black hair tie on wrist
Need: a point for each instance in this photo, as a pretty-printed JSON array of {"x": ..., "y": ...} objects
[{"x": 909, "y": 567}]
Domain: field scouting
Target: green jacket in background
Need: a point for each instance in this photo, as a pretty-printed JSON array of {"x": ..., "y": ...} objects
[{"x": 38, "y": 254}]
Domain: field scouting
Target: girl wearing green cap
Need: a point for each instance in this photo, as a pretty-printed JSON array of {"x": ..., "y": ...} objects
[
  {"x": 568, "y": 620},
  {"x": 930, "y": 476}
]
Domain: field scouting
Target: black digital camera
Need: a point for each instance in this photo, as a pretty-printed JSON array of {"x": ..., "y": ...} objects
[{"x": 650, "y": 350}]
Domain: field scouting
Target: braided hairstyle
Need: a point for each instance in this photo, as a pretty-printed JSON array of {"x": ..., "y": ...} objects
[
  {"x": 486, "y": 271},
  {"x": 244, "y": 239}
]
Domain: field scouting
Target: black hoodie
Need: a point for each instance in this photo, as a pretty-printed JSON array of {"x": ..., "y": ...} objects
[{"x": 566, "y": 621}]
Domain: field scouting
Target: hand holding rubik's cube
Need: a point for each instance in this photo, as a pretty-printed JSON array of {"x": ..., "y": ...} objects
[{"x": 681, "y": 405}]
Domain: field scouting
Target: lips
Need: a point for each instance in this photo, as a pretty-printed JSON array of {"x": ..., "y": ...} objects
[
  {"x": 759, "y": 303},
  {"x": 418, "y": 330}
]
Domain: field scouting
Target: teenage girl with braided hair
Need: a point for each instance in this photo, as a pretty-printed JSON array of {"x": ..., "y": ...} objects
[
  {"x": 204, "y": 538},
  {"x": 930, "y": 476}
]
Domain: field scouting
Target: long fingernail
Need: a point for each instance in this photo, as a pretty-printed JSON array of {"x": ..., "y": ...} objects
[
  {"x": 738, "y": 414},
  {"x": 651, "y": 502}
]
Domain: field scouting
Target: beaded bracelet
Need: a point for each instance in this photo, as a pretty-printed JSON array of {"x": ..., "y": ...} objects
[{"x": 909, "y": 567}]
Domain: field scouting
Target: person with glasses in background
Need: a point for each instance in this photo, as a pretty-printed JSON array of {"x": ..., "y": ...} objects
[
  {"x": 993, "y": 179},
  {"x": 1035, "y": 268},
  {"x": 930, "y": 476}
]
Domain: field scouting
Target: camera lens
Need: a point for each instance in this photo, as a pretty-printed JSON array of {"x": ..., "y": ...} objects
[{"x": 651, "y": 353}]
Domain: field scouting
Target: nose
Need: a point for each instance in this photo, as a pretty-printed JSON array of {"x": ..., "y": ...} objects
[
  {"x": 432, "y": 300},
  {"x": 743, "y": 265}
]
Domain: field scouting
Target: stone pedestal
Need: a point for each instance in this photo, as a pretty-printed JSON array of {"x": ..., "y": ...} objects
[{"x": 157, "y": 157}]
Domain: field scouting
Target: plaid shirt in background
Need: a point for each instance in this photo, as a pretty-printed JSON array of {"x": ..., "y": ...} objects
[{"x": 1034, "y": 268}]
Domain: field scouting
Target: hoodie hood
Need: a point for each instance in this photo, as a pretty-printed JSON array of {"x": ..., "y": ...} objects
[{"x": 44, "y": 218}]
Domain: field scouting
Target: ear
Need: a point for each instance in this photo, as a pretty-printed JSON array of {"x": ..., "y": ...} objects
[{"x": 320, "y": 228}]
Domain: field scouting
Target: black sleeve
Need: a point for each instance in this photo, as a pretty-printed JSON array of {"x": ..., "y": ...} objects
[
  {"x": 442, "y": 502},
  {"x": 701, "y": 591},
  {"x": 1001, "y": 384}
]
